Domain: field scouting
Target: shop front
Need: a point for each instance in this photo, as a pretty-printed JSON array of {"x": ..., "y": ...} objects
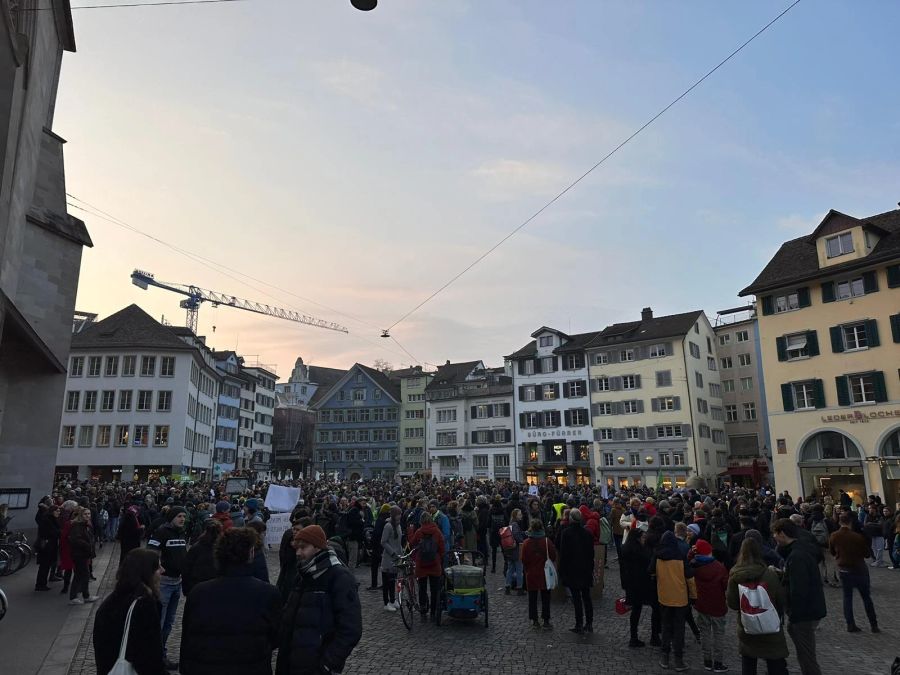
[
  {"x": 746, "y": 472},
  {"x": 626, "y": 480},
  {"x": 830, "y": 462},
  {"x": 149, "y": 473},
  {"x": 555, "y": 461},
  {"x": 889, "y": 463},
  {"x": 106, "y": 474}
]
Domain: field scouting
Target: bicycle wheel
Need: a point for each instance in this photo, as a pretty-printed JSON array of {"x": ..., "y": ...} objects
[
  {"x": 406, "y": 605},
  {"x": 26, "y": 552},
  {"x": 4, "y": 605},
  {"x": 6, "y": 567}
]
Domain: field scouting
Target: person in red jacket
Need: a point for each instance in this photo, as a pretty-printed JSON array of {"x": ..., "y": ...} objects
[
  {"x": 429, "y": 544},
  {"x": 711, "y": 578},
  {"x": 535, "y": 551}
]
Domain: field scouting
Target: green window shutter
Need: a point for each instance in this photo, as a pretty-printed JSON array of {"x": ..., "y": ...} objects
[
  {"x": 895, "y": 327},
  {"x": 787, "y": 397},
  {"x": 843, "y": 390},
  {"x": 768, "y": 305},
  {"x": 803, "y": 296},
  {"x": 819, "y": 391},
  {"x": 880, "y": 387},
  {"x": 812, "y": 343},
  {"x": 893, "y": 276},
  {"x": 870, "y": 282},
  {"x": 872, "y": 333},
  {"x": 781, "y": 346},
  {"x": 828, "y": 291},
  {"x": 837, "y": 339}
]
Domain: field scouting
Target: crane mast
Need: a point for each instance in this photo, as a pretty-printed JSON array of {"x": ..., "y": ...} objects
[{"x": 195, "y": 296}]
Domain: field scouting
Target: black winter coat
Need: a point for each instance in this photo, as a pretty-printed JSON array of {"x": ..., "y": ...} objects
[
  {"x": 48, "y": 537},
  {"x": 321, "y": 624},
  {"x": 634, "y": 564},
  {"x": 198, "y": 565},
  {"x": 576, "y": 557},
  {"x": 806, "y": 599},
  {"x": 144, "y": 650},
  {"x": 230, "y": 625}
]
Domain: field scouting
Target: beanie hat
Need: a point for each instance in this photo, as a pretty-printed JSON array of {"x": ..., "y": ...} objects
[
  {"x": 693, "y": 527},
  {"x": 222, "y": 506},
  {"x": 385, "y": 509},
  {"x": 252, "y": 505},
  {"x": 703, "y": 547},
  {"x": 174, "y": 511},
  {"x": 314, "y": 535}
]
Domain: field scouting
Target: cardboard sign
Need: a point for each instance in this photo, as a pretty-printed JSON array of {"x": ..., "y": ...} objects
[
  {"x": 281, "y": 498},
  {"x": 276, "y": 526}
]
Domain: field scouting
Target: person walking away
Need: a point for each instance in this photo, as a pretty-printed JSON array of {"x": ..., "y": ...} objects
[
  {"x": 66, "y": 565},
  {"x": 536, "y": 550},
  {"x": 81, "y": 548},
  {"x": 640, "y": 588},
  {"x": 498, "y": 520},
  {"x": 169, "y": 542},
  {"x": 675, "y": 588},
  {"x": 137, "y": 582},
  {"x": 511, "y": 541},
  {"x": 230, "y": 623},
  {"x": 849, "y": 550},
  {"x": 576, "y": 570},
  {"x": 805, "y": 596},
  {"x": 322, "y": 621},
  {"x": 711, "y": 578},
  {"x": 429, "y": 566},
  {"x": 751, "y": 572},
  {"x": 259, "y": 565},
  {"x": 391, "y": 548},
  {"x": 375, "y": 563},
  {"x": 199, "y": 563},
  {"x": 873, "y": 529},
  {"x": 822, "y": 528},
  {"x": 482, "y": 526},
  {"x": 130, "y": 532},
  {"x": 47, "y": 546}
]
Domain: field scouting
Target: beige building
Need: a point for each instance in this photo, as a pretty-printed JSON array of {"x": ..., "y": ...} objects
[
  {"x": 656, "y": 402},
  {"x": 829, "y": 329},
  {"x": 412, "y": 419}
]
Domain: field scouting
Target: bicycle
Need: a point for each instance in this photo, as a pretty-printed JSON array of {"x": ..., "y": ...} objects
[
  {"x": 4, "y": 604},
  {"x": 6, "y": 566},
  {"x": 18, "y": 550},
  {"x": 407, "y": 591}
]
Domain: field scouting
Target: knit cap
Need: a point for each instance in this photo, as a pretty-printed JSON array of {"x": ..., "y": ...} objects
[{"x": 314, "y": 535}]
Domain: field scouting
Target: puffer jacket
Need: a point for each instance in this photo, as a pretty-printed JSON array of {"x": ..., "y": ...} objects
[
  {"x": 773, "y": 645},
  {"x": 711, "y": 578},
  {"x": 591, "y": 522},
  {"x": 535, "y": 552},
  {"x": 675, "y": 584},
  {"x": 806, "y": 599},
  {"x": 81, "y": 542},
  {"x": 433, "y": 568}
]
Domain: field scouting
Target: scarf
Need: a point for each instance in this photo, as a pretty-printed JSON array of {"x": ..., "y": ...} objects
[{"x": 318, "y": 564}]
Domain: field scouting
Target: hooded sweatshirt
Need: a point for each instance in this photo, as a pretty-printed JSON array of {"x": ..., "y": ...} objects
[{"x": 674, "y": 577}]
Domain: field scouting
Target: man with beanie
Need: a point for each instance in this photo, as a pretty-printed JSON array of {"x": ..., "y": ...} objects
[
  {"x": 223, "y": 516},
  {"x": 169, "y": 541},
  {"x": 322, "y": 620},
  {"x": 251, "y": 512}
]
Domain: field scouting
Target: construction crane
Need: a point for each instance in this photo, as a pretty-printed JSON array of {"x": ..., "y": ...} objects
[{"x": 195, "y": 296}]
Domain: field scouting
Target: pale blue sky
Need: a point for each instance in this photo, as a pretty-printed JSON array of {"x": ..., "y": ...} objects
[{"x": 362, "y": 159}]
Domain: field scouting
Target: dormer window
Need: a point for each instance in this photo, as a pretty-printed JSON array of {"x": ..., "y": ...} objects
[
  {"x": 839, "y": 245},
  {"x": 545, "y": 341}
]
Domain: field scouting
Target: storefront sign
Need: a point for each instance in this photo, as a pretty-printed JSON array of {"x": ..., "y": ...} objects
[
  {"x": 860, "y": 417},
  {"x": 555, "y": 433}
]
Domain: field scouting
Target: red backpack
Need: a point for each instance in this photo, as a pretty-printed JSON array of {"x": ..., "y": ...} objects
[{"x": 507, "y": 540}]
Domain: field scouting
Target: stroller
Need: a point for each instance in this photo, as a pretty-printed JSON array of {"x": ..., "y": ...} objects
[{"x": 464, "y": 595}]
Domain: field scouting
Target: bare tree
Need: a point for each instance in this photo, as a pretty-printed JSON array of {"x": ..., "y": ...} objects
[{"x": 384, "y": 366}]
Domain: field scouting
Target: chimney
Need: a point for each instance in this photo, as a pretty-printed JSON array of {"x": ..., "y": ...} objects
[
  {"x": 448, "y": 362},
  {"x": 646, "y": 314}
]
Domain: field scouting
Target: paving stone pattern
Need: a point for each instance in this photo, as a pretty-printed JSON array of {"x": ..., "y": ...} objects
[{"x": 509, "y": 646}]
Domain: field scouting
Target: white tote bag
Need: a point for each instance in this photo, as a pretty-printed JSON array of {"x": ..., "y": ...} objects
[
  {"x": 121, "y": 666},
  {"x": 550, "y": 576}
]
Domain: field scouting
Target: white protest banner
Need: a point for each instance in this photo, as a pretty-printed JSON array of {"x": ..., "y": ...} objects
[
  {"x": 533, "y": 490},
  {"x": 276, "y": 526},
  {"x": 281, "y": 498}
]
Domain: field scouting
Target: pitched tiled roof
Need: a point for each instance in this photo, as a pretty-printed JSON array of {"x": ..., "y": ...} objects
[
  {"x": 129, "y": 327},
  {"x": 451, "y": 373},
  {"x": 326, "y": 378},
  {"x": 382, "y": 380},
  {"x": 575, "y": 343},
  {"x": 797, "y": 260},
  {"x": 656, "y": 328}
]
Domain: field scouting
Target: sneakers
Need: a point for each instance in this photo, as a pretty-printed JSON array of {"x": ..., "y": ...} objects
[
  {"x": 664, "y": 661},
  {"x": 389, "y": 608},
  {"x": 76, "y": 601},
  {"x": 719, "y": 667},
  {"x": 679, "y": 666},
  {"x": 707, "y": 665},
  {"x": 93, "y": 598}
]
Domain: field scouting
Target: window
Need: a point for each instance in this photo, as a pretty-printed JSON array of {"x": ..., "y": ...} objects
[
  {"x": 750, "y": 412},
  {"x": 482, "y": 437},
  {"x": 363, "y": 414},
  {"x": 629, "y": 382},
  {"x": 73, "y": 398},
  {"x": 726, "y": 362},
  {"x": 377, "y": 415},
  {"x": 112, "y": 366},
  {"x": 724, "y": 339},
  {"x": 718, "y": 436},
  {"x": 376, "y": 394},
  {"x": 145, "y": 401},
  {"x": 862, "y": 388},
  {"x": 804, "y": 396},
  {"x": 528, "y": 393},
  {"x": 663, "y": 378},
  {"x": 787, "y": 303},
  {"x": 634, "y": 459},
  {"x": 706, "y": 456},
  {"x": 694, "y": 349},
  {"x": 68, "y": 437},
  {"x": 128, "y": 365},
  {"x": 699, "y": 379},
  {"x": 605, "y": 434},
  {"x": 549, "y": 392},
  {"x": 855, "y": 336},
  {"x": 480, "y": 461},
  {"x": 94, "y": 365},
  {"x": 122, "y": 435},
  {"x": 703, "y": 430},
  {"x": 717, "y": 414},
  {"x": 746, "y": 384},
  {"x": 161, "y": 436},
  {"x": 349, "y": 436},
  {"x": 728, "y": 385},
  {"x": 576, "y": 388},
  {"x": 667, "y": 404},
  {"x": 731, "y": 413},
  {"x": 141, "y": 436},
  {"x": 630, "y": 407},
  {"x": 167, "y": 366},
  {"x": 668, "y": 431},
  {"x": 103, "y": 436},
  {"x": 528, "y": 367},
  {"x": 446, "y": 438},
  {"x": 602, "y": 384},
  {"x": 601, "y": 359},
  {"x": 852, "y": 288},
  {"x": 359, "y": 394},
  {"x": 392, "y": 414},
  {"x": 742, "y": 336},
  {"x": 604, "y": 408},
  {"x": 163, "y": 401},
  {"x": 839, "y": 245},
  {"x": 545, "y": 341},
  {"x": 76, "y": 366},
  {"x": 665, "y": 459},
  {"x": 446, "y": 415},
  {"x": 418, "y": 432},
  {"x": 125, "y": 400},
  {"x": 626, "y": 355},
  {"x": 796, "y": 346},
  {"x": 90, "y": 401},
  {"x": 710, "y": 363},
  {"x": 632, "y": 433},
  {"x": 657, "y": 351},
  {"x": 678, "y": 459},
  {"x": 744, "y": 359},
  {"x": 578, "y": 417},
  {"x": 574, "y": 361},
  {"x": 415, "y": 414},
  {"x": 548, "y": 364},
  {"x": 702, "y": 406},
  {"x": 148, "y": 367},
  {"x": 608, "y": 459},
  {"x": 551, "y": 418},
  {"x": 107, "y": 401}
]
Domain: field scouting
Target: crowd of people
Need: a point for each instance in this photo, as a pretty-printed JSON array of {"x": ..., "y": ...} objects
[{"x": 685, "y": 557}]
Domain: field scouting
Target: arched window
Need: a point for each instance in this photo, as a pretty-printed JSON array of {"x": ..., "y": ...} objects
[
  {"x": 891, "y": 445},
  {"x": 828, "y": 445}
]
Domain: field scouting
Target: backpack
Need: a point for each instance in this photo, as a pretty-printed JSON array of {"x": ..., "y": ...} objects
[
  {"x": 758, "y": 614},
  {"x": 605, "y": 531},
  {"x": 820, "y": 532},
  {"x": 507, "y": 540},
  {"x": 427, "y": 552}
]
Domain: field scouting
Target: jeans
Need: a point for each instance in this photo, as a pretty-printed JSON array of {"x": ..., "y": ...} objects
[
  {"x": 388, "y": 591},
  {"x": 712, "y": 637},
  {"x": 673, "y": 629},
  {"x": 582, "y": 596},
  {"x": 112, "y": 526},
  {"x": 655, "y": 620},
  {"x": 545, "y": 605},
  {"x": 773, "y": 666},
  {"x": 482, "y": 547},
  {"x": 803, "y": 634},
  {"x": 878, "y": 551},
  {"x": 80, "y": 580},
  {"x": 494, "y": 548},
  {"x": 514, "y": 574},
  {"x": 169, "y": 595},
  {"x": 859, "y": 581},
  {"x": 434, "y": 583},
  {"x": 826, "y": 565}
]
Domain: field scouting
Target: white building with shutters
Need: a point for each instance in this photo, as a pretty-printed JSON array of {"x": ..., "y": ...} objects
[
  {"x": 553, "y": 422},
  {"x": 656, "y": 402}
]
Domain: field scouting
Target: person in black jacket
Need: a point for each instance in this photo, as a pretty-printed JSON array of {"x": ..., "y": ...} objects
[
  {"x": 576, "y": 569},
  {"x": 322, "y": 621},
  {"x": 640, "y": 587},
  {"x": 48, "y": 545},
  {"x": 130, "y": 531},
  {"x": 137, "y": 580},
  {"x": 170, "y": 541},
  {"x": 230, "y": 623},
  {"x": 81, "y": 546},
  {"x": 199, "y": 564},
  {"x": 383, "y": 514}
]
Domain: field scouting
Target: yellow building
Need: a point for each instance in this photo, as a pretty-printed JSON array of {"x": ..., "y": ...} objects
[{"x": 829, "y": 327}]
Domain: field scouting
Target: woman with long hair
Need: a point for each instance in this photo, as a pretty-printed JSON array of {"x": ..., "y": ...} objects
[
  {"x": 81, "y": 548},
  {"x": 198, "y": 564},
  {"x": 391, "y": 548},
  {"x": 514, "y": 576},
  {"x": 137, "y": 581}
]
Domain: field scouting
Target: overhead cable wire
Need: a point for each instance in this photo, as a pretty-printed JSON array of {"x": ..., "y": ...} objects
[
  {"x": 132, "y": 5},
  {"x": 612, "y": 152}
]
